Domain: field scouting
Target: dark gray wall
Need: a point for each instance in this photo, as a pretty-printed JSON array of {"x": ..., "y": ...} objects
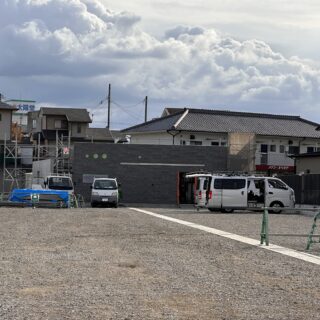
[
  {"x": 306, "y": 188},
  {"x": 144, "y": 183}
]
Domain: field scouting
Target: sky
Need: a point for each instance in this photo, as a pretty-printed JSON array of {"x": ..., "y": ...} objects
[{"x": 255, "y": 56}]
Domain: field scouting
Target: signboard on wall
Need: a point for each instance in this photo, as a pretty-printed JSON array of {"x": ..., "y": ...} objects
[
  {"x": 265, "y": 167},
  {"x": 23, "y": 106}
]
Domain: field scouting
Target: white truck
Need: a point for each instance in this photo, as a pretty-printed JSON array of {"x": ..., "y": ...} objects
[
  {"x": 42, "y": 177},
  {"x": 104, "y": 192}
]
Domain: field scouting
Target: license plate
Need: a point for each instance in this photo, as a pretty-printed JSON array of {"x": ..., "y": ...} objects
[
  {"x": 252, "y": 205},
  {"x": 105, "y": 199}
]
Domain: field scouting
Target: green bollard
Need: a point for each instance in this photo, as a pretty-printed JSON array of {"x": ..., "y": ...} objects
[
  {"x": 264, "y": 235},
  {"x": 314, "y": 225}
]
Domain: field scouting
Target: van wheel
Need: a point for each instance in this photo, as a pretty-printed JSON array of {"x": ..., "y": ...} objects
[
  {"x": 277, "y": 205},
  {"x": 227, "y": 210}
]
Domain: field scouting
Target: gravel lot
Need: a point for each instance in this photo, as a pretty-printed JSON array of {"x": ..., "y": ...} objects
[{"x": 121, "y": 264}]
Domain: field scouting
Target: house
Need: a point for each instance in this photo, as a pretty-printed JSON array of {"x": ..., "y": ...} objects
[
  {"x": 20, "y": 115},
  {"x": 99, "y": 135},
  {"x": 265, "y": 141},
  {"x": 47, "y": 124},
  {"x": 6, "y": 111},
  {"x": 308, "y": 163}
]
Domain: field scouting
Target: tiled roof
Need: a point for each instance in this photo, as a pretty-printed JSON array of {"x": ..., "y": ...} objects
[
  {"x": 72, "y": 114},
  {"x": 101, "y": 134},
  {"x": 155, "y": 125},
  {"x": 168, "y": 111},
  {"x": 214, "y": 121}
]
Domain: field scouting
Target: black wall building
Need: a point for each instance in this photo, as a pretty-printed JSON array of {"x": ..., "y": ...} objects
[{"x": 151, "y": 174}]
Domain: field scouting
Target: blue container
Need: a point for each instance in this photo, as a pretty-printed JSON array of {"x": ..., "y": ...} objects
[{"x": 31, "y": 196}]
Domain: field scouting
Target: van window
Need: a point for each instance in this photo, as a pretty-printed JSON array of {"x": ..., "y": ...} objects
[
  {"x": 277, "y": 184},
  {"x": 205, "y": 184},
  {"x": 60, "y": 183},
  {"x": 105, "y": 184},
  {"x": 230, "y": 184}
]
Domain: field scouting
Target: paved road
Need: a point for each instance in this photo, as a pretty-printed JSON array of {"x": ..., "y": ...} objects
[{"x": 121, "y": 264}]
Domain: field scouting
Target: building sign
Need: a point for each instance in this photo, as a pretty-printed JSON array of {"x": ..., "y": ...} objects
[
  {"x": 23, "y": 106},
  {"x": 265, "y": 167},
  {"x": 26, "y": 107},
  {"x": 66, "y": 151}
]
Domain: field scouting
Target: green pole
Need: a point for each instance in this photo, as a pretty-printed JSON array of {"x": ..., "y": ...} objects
[
  {"x": 314, "y": 225},
  {"x": 264, "y": 236}
]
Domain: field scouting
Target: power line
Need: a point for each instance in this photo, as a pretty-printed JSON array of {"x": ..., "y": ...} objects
[{"x": 129, "y": 106}]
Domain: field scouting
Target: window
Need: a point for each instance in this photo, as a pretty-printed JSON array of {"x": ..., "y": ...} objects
[
  {"x": 310, "y": 149},
  {"x": 196, "y": 143},
  {"x": 60, "y": 183},
  {"x": 105, "y": 185},
  {"x": 57, "y": 124},
  {"x": 273, "y": 148},
  {"x": 34, "y": 124},
  {"x": 229, "y": 184},
  {"x": 215, "y": 143},
  {"x": 78, "y": 128},
  {"x": 293, "y": 150},
  {"x": 182, "y": 142},
  {"x": 223, "y": 143},
  {"x": 264, "y": 148},
  {"x": 277, "y": 184},
  {"x": 281, "y": 148}
]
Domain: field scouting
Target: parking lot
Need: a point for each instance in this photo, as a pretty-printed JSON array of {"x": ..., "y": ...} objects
[{"x": 125, "y": 264}]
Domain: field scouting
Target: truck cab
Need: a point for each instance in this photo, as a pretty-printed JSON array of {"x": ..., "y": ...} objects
[
  {"x": 105, "y": 192},
  {"x": 56, "y": 182}
]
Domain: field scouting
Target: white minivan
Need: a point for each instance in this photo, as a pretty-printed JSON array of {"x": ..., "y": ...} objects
[
  {"x": 227, "y": 193},
  {"x": 201, "y": 185},
  {"x": 104, "y": 192}
]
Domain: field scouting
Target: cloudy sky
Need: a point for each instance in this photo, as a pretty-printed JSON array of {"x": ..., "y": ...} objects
[{"x": 249, "y": 55}]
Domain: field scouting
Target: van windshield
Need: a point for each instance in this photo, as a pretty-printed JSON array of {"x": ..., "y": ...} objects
[
  {"x": 105, "y": 184},
  {"x": 60, "y": 183}
]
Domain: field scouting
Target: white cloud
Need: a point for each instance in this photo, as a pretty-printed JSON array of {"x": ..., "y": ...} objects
[{"x": 66, "y": 52}]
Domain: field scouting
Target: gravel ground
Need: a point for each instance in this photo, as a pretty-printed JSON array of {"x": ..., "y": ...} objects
[{"x": 120, "y": 264}]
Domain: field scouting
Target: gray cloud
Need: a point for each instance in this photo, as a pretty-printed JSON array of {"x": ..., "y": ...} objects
[{"x": 70, "y": 50}]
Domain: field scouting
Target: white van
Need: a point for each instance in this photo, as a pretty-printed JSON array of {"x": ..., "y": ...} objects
[
  {"x": 227, "y": 193},
  {"x": 104, "y": 191},
  {"x": 201, "y": 185}
]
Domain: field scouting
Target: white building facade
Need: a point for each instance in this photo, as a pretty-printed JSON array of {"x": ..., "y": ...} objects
[{"x": 270, "y": 140}]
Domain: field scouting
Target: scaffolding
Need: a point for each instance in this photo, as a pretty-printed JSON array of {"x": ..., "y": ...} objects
[{"x": 19, "y": 158}]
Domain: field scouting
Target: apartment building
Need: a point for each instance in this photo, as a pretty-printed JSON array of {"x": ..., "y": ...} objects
[{"x": 268, "y": 141}]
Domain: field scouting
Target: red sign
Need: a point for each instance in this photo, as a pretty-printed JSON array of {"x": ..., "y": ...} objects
[{"x": 265, "y": 167}]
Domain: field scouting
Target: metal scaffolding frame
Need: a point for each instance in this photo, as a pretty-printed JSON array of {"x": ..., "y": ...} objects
[{"x": 14, "y": 171}]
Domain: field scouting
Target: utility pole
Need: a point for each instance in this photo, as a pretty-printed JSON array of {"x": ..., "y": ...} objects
[
  {"x": 109, "y": 105},
  {"x": 145, "y": 109}
]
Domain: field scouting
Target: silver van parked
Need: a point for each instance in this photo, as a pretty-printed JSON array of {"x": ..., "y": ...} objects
[{"x": 227, "y": 193}]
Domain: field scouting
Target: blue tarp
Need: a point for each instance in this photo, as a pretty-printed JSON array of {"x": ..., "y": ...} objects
[{"x": 47, "y": 196}]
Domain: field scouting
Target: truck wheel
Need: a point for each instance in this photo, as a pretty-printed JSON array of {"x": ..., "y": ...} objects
[{"x": 276, "y": 205}]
